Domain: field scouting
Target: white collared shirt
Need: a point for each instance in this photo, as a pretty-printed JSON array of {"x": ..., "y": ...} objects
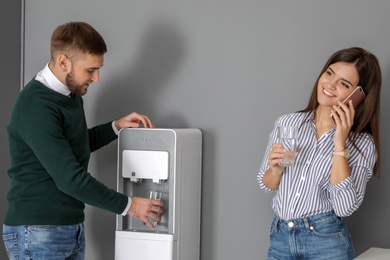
[
  {"x": 47, "y": 78},
  {"x": 305, "y": 188}
]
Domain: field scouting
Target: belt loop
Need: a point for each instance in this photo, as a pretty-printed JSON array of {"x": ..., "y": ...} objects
[
  {"x": 80, "y": 231},
  {"x": 277, "y": 223},
  {"x": 307, "y": 225}
]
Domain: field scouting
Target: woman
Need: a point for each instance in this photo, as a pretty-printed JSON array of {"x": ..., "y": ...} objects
[{"x": 333, "y": 164}]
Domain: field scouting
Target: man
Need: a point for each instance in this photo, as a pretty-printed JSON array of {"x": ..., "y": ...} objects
[{"x": 50, "y": 146}]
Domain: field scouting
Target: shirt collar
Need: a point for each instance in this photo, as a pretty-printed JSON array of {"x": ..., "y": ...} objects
[
  {"x": 47, "y": 78},
  {"x": 310, "y": 117},
  {"x": 310, "y": 120}
]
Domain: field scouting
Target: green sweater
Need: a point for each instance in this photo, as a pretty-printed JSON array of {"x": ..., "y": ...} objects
[{"x": 50, "y": 146}]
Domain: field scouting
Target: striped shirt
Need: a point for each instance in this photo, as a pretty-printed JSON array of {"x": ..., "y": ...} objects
[{"x": 305, "y": 188}]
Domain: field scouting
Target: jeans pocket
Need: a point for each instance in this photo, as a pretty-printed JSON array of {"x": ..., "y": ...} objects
[
  {"x": 11, "y": 245},
  {"x": 41, "y": 227},
  {"x": 329, "y": 229}
]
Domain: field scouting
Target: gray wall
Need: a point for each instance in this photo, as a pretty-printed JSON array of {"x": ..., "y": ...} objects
[
  {"x": 226, "y": 67},
  {"x": 10, "y": 85}
]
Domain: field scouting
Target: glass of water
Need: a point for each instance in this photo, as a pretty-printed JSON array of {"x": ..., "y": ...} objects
[
  {"x": 155, "y": 195},
  {"x": 288, "y": 138}
]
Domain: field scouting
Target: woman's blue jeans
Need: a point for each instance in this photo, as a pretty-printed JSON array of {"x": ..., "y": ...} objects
[
  {"x": 45, "y": 242},
  {"x": 323, "y": 236}
]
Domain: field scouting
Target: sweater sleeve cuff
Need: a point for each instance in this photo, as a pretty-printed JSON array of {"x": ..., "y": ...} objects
[
  {"x": 114, "y": 128},
  {"x": 124, "y": 213}
]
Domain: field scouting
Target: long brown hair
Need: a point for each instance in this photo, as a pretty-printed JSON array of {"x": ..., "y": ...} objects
[{"x": 367, "y": 114}]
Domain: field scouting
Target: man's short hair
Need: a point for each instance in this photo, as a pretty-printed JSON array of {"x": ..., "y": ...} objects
[{"x": 76, "y": 37}]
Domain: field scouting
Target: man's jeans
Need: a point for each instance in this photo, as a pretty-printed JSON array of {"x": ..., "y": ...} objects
[
  {"x": 323, "y": 236},
  {"x": 45, "y": 242}
]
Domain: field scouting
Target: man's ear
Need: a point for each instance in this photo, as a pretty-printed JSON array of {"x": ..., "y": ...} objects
[{"x": 64, "y": 63}]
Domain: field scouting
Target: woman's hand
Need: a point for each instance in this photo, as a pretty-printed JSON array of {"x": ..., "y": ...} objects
[
  {"x": 343, "y": 116},
  {"x": 275, "y": 156},
  {"x": 272, "y": 177}
]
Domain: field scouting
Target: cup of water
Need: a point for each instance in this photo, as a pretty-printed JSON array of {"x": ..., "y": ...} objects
[
  {"x": 155, "y": 195},
  {"x": 288, "y": 138}
]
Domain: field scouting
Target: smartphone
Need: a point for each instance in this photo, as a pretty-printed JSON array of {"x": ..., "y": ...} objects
[{"x": 357, "y": 96}]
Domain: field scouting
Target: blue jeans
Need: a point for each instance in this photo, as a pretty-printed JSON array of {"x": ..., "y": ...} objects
[
  {"x": 45, "y": 242},
  {"x": 323, "y": 236}
]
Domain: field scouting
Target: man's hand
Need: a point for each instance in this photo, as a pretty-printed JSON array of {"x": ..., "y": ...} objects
[
  {"x": 143, "y": 208},
  {"x": 134, "y": 120}
]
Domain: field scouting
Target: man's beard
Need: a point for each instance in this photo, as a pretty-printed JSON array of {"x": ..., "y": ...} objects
[{"x": 73, "y": 86}]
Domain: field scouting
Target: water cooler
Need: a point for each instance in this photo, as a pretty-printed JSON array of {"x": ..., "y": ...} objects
[{"x": 166, "y": 161}]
